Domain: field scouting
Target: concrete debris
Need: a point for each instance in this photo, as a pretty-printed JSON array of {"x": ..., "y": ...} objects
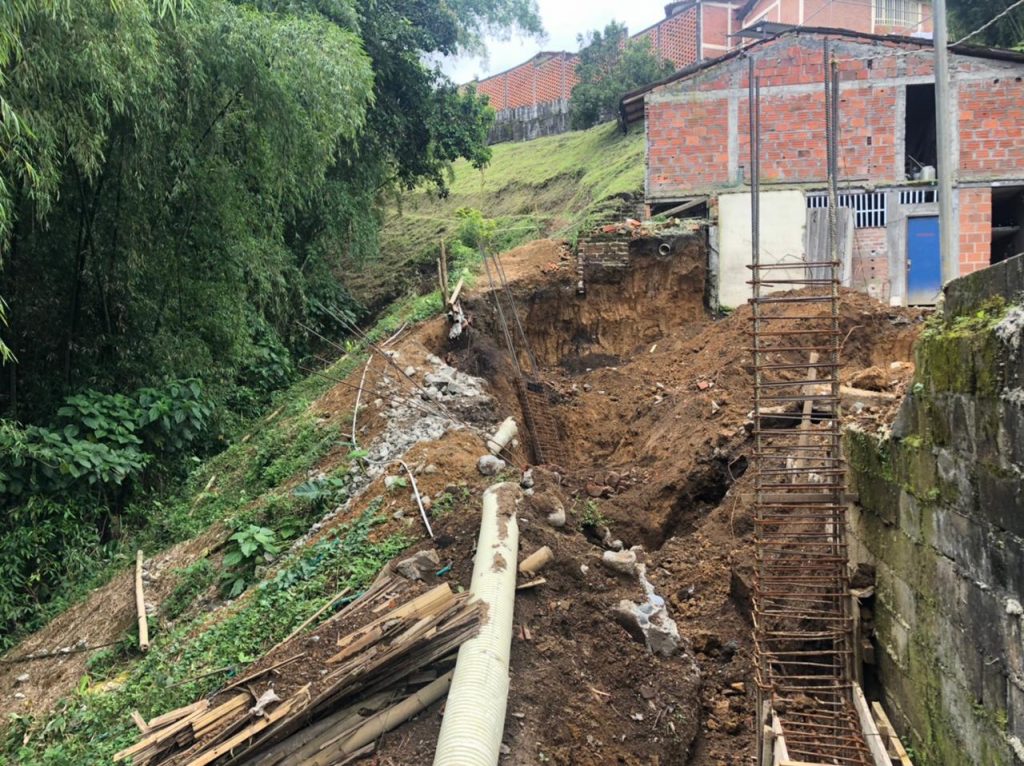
[
  {"x": 489, "y": 465},
  {"x": 22, "y": 679},
  {"x": 267, "y": 698},
  {"x": 19, "y": 696},
  {"x": 527, "y": 481},
  {"x": 623, "y": 562},
  {"x": 410, "y": 371},
  {"x": 417, "y": 566},
  {"x": 649, "y": 624}
]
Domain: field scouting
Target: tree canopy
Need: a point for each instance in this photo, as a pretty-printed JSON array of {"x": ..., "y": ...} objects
[
  {"x": 965, "y": 16},
  {"x": 610, "y": 64},
  {"x": 179, "y": 182}
]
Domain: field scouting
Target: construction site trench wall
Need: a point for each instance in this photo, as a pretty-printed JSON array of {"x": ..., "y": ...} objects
[{"x": 940, "y": 515}]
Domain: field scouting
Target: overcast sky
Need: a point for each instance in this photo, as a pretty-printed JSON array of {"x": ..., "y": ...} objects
[{"x": 563, "y": 20}]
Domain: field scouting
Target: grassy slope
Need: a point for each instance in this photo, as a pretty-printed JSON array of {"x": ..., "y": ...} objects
[{"x": 548, "y": 187}]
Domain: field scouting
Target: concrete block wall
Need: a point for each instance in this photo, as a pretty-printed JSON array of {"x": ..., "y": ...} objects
[
  {"x": 941, "y": 516},
  {"x": 870, "y": 268}
]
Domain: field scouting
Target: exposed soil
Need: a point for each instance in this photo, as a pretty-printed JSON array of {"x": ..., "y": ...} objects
[{"x": 652, "y": 396}]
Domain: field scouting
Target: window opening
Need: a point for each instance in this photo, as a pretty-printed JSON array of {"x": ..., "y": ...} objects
[
  {"x": 921, "y": 142},
  {"x": 1007, "y": 222},
  {"x": 870, "y": 209}
]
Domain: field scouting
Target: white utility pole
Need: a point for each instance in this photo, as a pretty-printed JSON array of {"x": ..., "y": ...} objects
[{"x": 945, "y": 123}]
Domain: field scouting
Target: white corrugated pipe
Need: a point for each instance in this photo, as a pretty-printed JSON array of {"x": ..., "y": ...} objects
[
  {"x": 506, "y": 432},
  {"x": 474, "y": 715}
]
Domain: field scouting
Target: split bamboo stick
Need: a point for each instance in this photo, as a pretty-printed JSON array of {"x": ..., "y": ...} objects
[{"x": 140, "y": 605}]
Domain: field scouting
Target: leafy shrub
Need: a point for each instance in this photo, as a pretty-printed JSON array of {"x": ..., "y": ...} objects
[{"x": 248, "y": 547}]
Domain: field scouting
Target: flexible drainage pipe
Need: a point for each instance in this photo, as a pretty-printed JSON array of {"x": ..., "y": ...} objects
[
  {"x": 503, "y": 436},
  {"x": 474, "y": 715}
]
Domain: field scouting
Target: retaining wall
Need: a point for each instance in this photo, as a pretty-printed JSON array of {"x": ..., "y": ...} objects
[{"x": 941, "y": 516}]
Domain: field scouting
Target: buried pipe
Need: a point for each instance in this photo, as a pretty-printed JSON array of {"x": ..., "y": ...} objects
[
  {"x": 474, "y": 716},
  {"x": 506, "y": 432}
]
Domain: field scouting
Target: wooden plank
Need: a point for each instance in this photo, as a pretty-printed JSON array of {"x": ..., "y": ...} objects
[
  {"x": 426, "y": 603},
  {"x": 455, "y": 293},
  {"x": 780, "y": 752},
  {"x": 871, "y": 736},
  {"x": 690, "y": 203},
  {"x": 896, "y": 749},
  {"x": 247, "y": 733},
  {"x": 158, "y": 737},
  {"x": 176, "y": 715},
  {"x": 140, "y": 605},
  {"x": 140, "y": 722}
]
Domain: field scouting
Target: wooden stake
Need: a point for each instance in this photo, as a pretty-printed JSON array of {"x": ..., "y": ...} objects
[{"x": 140, "y": 605}]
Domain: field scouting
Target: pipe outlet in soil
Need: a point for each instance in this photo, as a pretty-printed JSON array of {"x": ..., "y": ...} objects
[
  {"x": 474, "y": 715},
  {"x": 506, "y": 432}
]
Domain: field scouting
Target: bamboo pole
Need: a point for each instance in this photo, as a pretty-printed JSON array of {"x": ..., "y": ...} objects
[{"x": 140, "y": 605}]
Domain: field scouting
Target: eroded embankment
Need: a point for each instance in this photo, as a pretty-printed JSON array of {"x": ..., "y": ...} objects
[{"x": 652, "y": 396}]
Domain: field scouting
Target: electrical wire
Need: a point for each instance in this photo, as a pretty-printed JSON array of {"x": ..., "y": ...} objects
[{"x": 989, "y": 23}]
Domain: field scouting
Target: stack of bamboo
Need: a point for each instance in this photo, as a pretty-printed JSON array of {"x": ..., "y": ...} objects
[{"x": 382, "y": 673}]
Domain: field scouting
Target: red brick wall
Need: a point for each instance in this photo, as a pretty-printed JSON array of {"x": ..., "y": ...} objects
[
  {"x": 550, "y": 77},
  {"x": 870, "y": 272},
  {"x": 675, "y": 38},
  {"x": 540, "y": 80},
  {"x": 991, "y": 120},
  {"x": 855, "y": 15},
  {"x": 687, "y": 134},
  {"x": 975, "y": 229}
]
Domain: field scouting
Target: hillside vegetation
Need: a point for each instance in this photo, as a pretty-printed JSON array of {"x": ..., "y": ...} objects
[{"x": 552, "y": 187}]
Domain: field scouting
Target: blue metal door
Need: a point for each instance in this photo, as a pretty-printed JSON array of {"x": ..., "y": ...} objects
[{"x": 924, "y": 262}]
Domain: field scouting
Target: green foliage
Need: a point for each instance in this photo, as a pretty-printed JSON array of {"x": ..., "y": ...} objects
[
  {"x": 610, "y": 65},
  {"x": 249, "y": 546},
  {"x": 590, "y": 515},
  {"x": 192, "y": 580},
  {"x": 88, "y": 728},
  {"x": 551, "y": 187},
  {"x": 965, "y": 16}
]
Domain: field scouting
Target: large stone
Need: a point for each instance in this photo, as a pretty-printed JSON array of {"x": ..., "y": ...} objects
[
  {"x": 419, "y": 565},
  {"x": 650, "y": 623},
  {"x": 489, "y": 465}
]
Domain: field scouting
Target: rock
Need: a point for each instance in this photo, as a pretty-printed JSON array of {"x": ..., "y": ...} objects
[
  {"x": 489, "y": 465},
  {"x": 623, "y": 562},
  {"x": 22, "y": 679},
  {"x": 19, "y": 696},
  {"x": 398, "y": 515},
  {"x": 597, "y": 490},
  {"x": 650, "y": 624},
  {"x": 410, "y": 371},
  {"x": 550, "y": 507},
  {"x": 871, "y": 379},
  {"x": 527, "y": 481},
  {"x": 431, "y": 469},
  {"x": 392, "y": 482},
  {"x": 647, "y": 692},
  {"x": 419, "y": 564}
]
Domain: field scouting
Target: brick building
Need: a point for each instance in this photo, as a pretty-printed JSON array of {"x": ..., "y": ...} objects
[
  {"x": 698, "y": 150},
  {"x": 532, "y": 98}
]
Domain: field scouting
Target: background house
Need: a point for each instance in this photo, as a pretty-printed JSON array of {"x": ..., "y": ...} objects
[
  {"x": 532, "y": 98},
  {"x": 698, "y": 150}
]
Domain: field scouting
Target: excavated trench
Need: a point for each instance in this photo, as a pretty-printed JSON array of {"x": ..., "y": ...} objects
[{"x": 651, "y": 396}]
